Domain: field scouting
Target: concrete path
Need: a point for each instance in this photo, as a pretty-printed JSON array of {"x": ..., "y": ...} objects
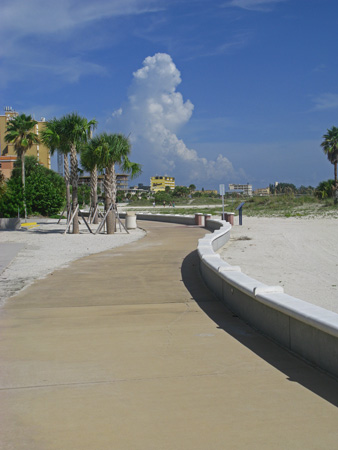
[
  {"x": 8, "y": 251},
  {"x": 127, "y": 349}
]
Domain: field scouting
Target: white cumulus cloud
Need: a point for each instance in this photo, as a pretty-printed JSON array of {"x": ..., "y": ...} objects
[{"x": 154, "y": 113}]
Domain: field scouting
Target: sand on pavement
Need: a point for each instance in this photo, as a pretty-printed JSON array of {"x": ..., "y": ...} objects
[{"x": 40, "y": 250}]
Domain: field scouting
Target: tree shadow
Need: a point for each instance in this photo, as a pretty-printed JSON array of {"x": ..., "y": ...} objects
[{"x": 295, "y": 369}]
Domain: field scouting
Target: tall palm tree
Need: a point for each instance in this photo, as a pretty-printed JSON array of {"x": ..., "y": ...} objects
[
  {"x": 52, "y": 138},
  {"x": 90, "y": 162},
  {"x": 20, "y": 132},
  {"x": 330, "y": 147},
  {"x": 114, "y": 149},
  {"x": 74, "y": 133}
]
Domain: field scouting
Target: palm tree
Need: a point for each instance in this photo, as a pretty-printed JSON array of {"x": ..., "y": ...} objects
[
  {"x": 74, "y": 133},
  {"x": 90, "y": 161},
  {"x": 20, "y": 133},
  {"x": 330, "y": 147},
  {"x": 114, "y": 149},
  {"x": 52, "y": 138}
]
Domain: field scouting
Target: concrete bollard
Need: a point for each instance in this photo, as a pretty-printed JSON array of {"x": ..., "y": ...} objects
[
  {"x": 228, "y": 217},
  {"x": 199, "y": 219},
  {"x": 131, "y": 220},
  {"x": 206, "y": 217}
]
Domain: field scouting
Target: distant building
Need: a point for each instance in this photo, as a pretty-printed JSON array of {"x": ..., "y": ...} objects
[
  {"x": 246, "y": 189},
  {"x": 160, "y": 183},
  {"x": 7, "y": 153},
  {"x": 209, "y": 191},
  {"x": 122, "y": 181},
  {"x": 143, "y": 187},
  {"x": 262, "y": 191}
]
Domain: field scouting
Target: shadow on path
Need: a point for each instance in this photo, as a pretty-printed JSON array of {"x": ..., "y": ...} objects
[{"x": 292, "y": 366}]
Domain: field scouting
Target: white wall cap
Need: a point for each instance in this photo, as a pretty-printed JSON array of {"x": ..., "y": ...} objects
[
  {"x": 205, "y": 247},
  {"x": 241, "y": 281},
  {"x": 229, "y": 268},
  {"x": 305, "y": 312},
  {"x": 205, "y": 251},
  {"x": 211, "y": 258},
  {"x": 268, "y": 290},
  {"x": 205, "y": 241}
]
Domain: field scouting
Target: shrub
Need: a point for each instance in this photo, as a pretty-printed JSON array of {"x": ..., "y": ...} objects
[
  {"x": 45, "y": 190},
  {"x": 325, "y": 189}
]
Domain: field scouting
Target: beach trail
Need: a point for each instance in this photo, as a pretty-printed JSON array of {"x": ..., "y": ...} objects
[{"x": 127, "y": 349}]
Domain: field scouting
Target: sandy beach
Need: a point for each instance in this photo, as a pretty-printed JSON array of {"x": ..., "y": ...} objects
[
  {"x": 40, "y": 250},
  {"x": 299, "y": 254}
]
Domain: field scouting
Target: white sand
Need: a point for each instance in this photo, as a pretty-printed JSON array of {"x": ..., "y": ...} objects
[
  {"x": 46, "y": 248},
  {"x": 300, "y": 254}
]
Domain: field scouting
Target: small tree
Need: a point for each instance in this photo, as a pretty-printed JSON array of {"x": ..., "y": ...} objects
[
  {"x": 324, "y": 189},
  {"x": 45, "y": 190},
  {"x": 53, "y": 138},
  {"x": 114, "y": 149},
  {"x": 3, "y": 185},
  {"x": 20, "y": 133},
  {"x": 90, "y": 161},
  {"x": 330, "y": 147}
]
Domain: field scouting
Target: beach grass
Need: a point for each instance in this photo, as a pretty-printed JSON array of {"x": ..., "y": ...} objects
[{"x": 261, "y": 206}]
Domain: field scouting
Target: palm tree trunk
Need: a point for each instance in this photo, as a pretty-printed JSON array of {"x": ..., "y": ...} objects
[
  {"x": 335, "y": 183},
  {"x": 113, "y": 187},
  {"x": 23, "y": 183},
  {"x": 109, "y": 200},
  {"x": 93, "y": 193},
  {"x": 67, "y": 181},
  {"x": 74, "y": 180}
]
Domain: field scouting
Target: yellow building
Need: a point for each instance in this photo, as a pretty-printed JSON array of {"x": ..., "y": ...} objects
[
  {"x": 160, "y": 183},
  {"x": 7, "y": 152},
  {"x": 262, "y": 191}
]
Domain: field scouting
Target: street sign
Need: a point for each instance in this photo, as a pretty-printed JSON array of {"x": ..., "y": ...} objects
[{"x": 221, "y": 189}]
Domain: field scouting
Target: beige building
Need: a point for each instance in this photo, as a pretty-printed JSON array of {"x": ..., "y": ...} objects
[
  {"x": 262, "y": 191},
  {"x": 160, "y": 183},
  {"x": 245, "y": 188},
  {"x": 7, "y": 152},
  {"x": 122, "y": 181}
]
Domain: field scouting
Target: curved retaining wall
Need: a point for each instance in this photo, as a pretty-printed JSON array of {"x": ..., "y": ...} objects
[
  {"x": 10, "y": 224},
  {"x": 172, "y": 218},
  {"x": 305, "y": 329}
]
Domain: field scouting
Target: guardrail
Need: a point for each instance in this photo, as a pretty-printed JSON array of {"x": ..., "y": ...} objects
[{"x": 307, "y": 330}]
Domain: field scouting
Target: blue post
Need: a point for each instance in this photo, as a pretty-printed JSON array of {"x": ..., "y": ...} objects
[{"x": 239, "y": 209}]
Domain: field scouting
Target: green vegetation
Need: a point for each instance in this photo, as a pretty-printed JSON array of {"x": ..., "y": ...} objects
[
  {"x": 112, "y": 150},
  {"x": 83, "y": 195},
  {"x": 287, "y": 206},
  {"x": 318, "y": 202},
  {"x": 3, "y": 185},
  {"x": 330, "y": 148},
  {"x": 69, "y": 134},
  {"x": 20, "y": 133},
  {"x": 45, "y": 191}
]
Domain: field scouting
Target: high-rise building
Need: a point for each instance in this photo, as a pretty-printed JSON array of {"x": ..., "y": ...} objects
[{"x": 7, "y": 152}]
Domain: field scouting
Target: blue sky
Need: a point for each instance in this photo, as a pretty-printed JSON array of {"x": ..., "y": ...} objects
[{"x": 210, "y": 91}]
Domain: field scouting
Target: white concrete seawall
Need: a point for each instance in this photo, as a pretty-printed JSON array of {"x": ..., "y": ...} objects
[{"x": 305, "y": 329}]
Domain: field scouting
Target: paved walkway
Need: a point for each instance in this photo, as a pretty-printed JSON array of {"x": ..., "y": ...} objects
[
  {"x": 128, "y": 350},
  {"x": 8, "y": 251}
]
